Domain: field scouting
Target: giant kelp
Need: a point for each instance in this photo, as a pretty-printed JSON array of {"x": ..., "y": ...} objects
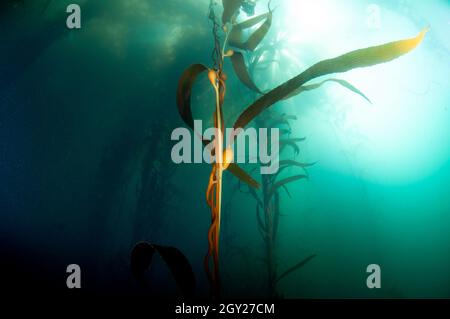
[
  {"x": 233, "y": 35},
  {"x": 267, "y": 198}
]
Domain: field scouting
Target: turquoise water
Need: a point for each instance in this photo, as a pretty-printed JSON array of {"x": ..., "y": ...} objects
[{"x": 85, "y": 124}]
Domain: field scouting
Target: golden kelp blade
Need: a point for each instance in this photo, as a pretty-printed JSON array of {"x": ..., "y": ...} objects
[
  {"x": 237, "y": 59},
  {"x": 229, "y": 9},
  {"x": 352, "y": 60},
  {"x": 184, "y": 92},
  {"x": 379, "y": 54}
]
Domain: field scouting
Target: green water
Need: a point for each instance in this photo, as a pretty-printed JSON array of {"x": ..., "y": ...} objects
[{"x": 85, "y": 124}]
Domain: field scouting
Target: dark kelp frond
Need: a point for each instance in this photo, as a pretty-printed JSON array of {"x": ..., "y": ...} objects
[
  {"x": 184, "y": 92},
  {"x": 242, "y": 175},
  {"x": 284, "y": 182},
  {"x": 230, "y": 7},
  {"x": 179, "y": 266},
  {"x": 251, "y": 22},
  {"x": 296, "y": 267},
  {"x": 255, "y": 38},
  {"x": 237, "y": 59}
]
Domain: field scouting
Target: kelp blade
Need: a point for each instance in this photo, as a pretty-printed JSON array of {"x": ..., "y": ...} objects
[
  {"x": 352, "y": 60},
  {"x": 284, "y": 182},
  {"x": 242, "y": 175},
  {"x": 251, "y": 22},
  {"x": 179, "y": 266},
  {"x": 230, "y": 7},
  {"x": 255, "y": 38},
  {"x": 296, "y": 267},
  {"x": 236, "y": 34},
  {"x": 290, "y": 163},
  {"x": 344, "y": 83},
  {"x": 184, "y": 92},
  {"x": 237, "y": 59}
]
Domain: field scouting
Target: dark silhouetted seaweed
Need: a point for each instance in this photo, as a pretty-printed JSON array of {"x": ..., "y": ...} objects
[
  {"x": 296, "y": 267},
  {"x": 179, "y": 266}
]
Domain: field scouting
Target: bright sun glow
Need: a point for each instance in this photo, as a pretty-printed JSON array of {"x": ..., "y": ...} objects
[{"x": 404, "y": 136}]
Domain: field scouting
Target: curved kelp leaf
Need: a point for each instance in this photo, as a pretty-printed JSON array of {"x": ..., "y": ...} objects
[
  {"x": 241, "y": 71},
  {"x": 236, "y": 34},
  {"x": 352, "y": 60},
  {"x": 251, "y": 22},
  {"x": 184, "y": 92},
  {"x": 296, "y": 267},
  {"x": 255, "y": 38},
  {"x": 285, "y": 181},
  {"x": 344, "y": 83},
  {"x": 230, "y": 7},
  {"x": 242, "y": 175},
  {"x": 141, "y": 258},
  {"x": 286, "y": 189}
]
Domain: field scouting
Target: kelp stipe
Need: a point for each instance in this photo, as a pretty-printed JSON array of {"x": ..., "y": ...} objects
[{"x": 234, "y": 37}]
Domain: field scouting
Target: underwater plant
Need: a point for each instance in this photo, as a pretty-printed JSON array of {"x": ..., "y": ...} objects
[
  {"x": 268, "y": 211},
  {"x": 176, "y": 262},
  {"x": 229, "y": 32}
]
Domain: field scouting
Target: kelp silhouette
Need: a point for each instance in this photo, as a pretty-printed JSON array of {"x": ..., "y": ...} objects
[
  {"x": 179, "y": 266},
  {"x": 268, "y": 208},
  {"x": 234, "y": 37}
]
